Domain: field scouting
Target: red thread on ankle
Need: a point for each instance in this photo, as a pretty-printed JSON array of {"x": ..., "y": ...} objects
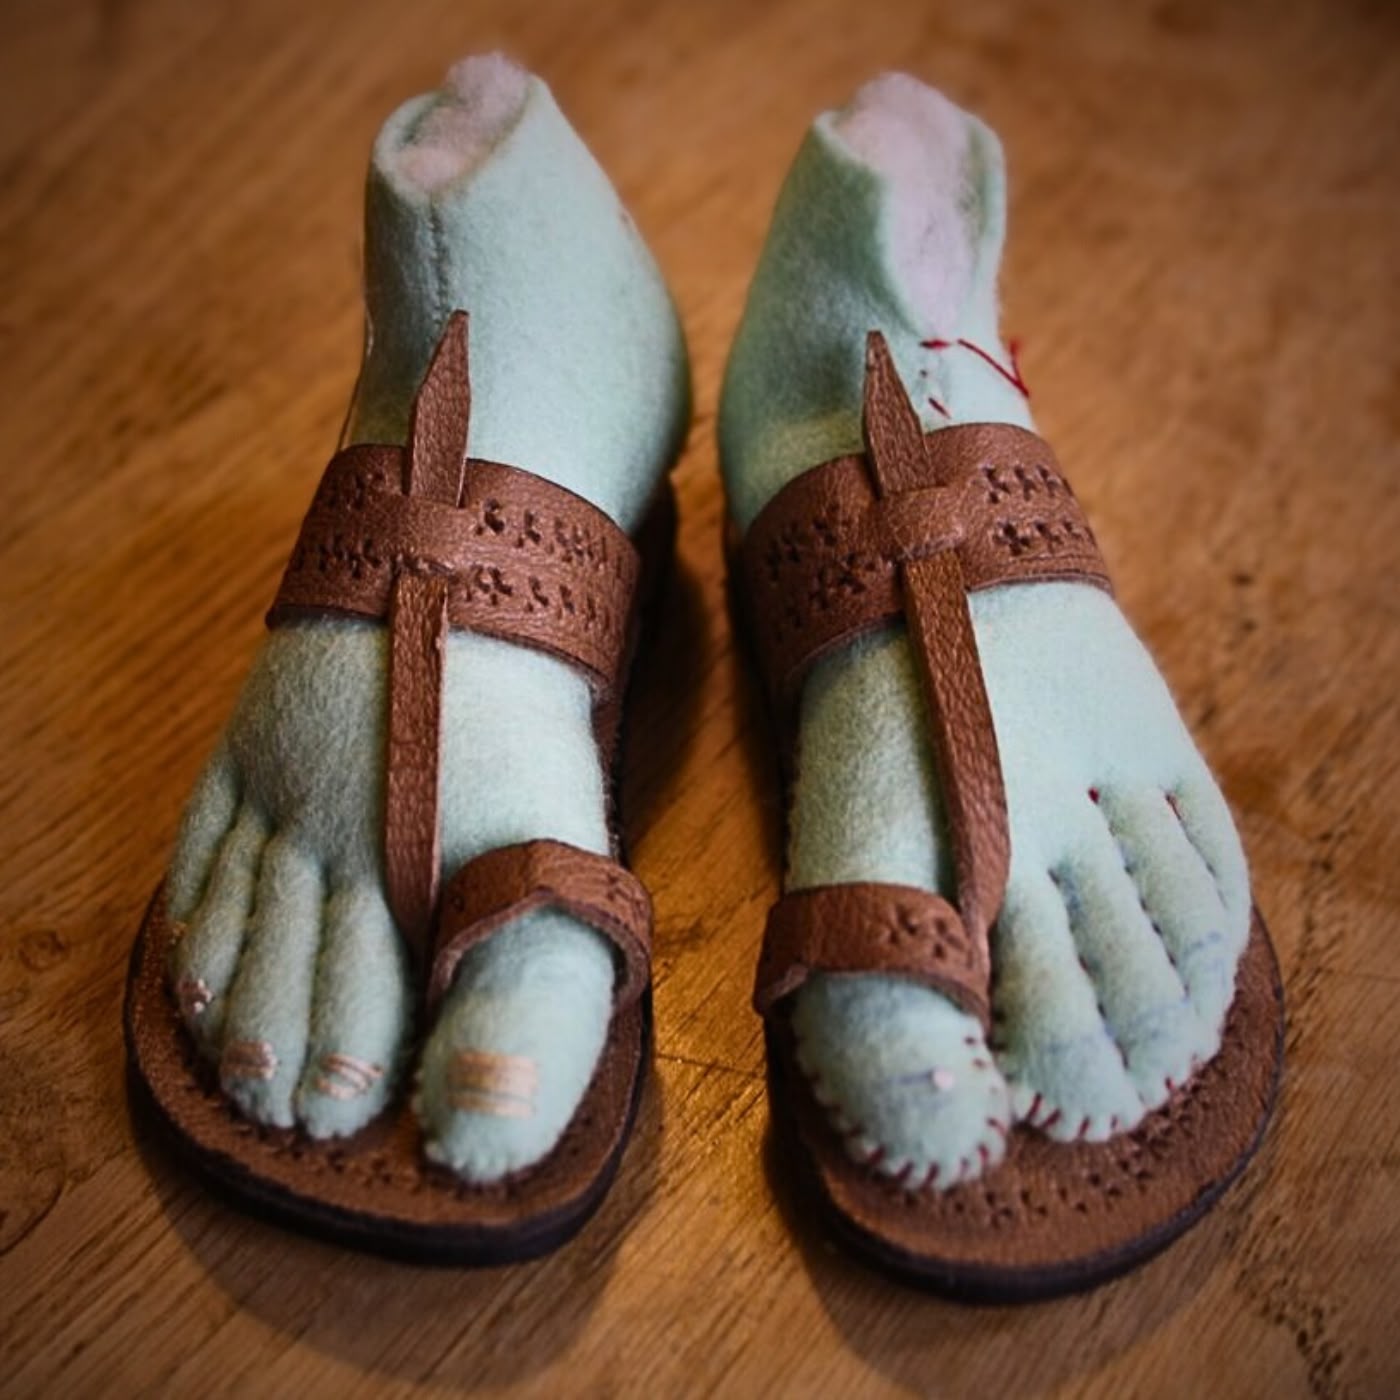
[{"x": 1013, "y": 347}]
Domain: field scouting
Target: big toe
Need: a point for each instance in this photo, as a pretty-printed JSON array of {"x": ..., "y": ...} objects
[
  {"x": 904, "y": 1076},
  {"x": 515, "y": 1046},
  {"x": 359, "y": 1015}
]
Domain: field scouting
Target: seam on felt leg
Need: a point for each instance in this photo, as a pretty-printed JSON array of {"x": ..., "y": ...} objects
[{"x": 442, "y": 294}]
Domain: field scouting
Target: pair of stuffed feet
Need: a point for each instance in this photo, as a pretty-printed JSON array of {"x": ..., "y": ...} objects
[{"x": 1127, "y": 906}]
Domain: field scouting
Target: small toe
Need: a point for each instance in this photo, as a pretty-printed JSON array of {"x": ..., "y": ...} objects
[
  {"x": 515, "y": 1046},
  {"x": 904, "y": 1077},
  {"x": 1067, "y": 1073},
  {"x": 1204, "y": 816},
  {"x": 360, "y": 1014},
  {"x": 209, "y": 815},
  {"x": 269, "y": 1005},
  {"x": 204, "y": 960},
  {"x": 1181, "y": 898},
  {"x": 1139, "y": 988}
]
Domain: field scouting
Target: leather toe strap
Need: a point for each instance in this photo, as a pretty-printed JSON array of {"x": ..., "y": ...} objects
[
  {"x": 503, "y": 884},
  {"x": 871, "y": 928}
]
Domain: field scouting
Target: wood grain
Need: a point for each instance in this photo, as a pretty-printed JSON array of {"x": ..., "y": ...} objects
[{"x": 1202, "y": 264}]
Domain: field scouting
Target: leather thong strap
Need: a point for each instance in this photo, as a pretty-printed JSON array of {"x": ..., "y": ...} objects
[
  {"x": 427, "y": 539},
  {"x": 512, "y": 880},
  {"x": 904, "y": 532}
]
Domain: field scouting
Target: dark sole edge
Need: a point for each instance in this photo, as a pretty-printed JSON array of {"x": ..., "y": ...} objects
[
  {"x": 472, "y": 1246},
  {"x": 985, "y": 1284},
  {"x": 442, "y": 1244},
  {"x": 956, "y": 1280}
]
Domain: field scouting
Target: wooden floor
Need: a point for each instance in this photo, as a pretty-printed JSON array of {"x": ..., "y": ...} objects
[{"x": 1205, "y": 213}]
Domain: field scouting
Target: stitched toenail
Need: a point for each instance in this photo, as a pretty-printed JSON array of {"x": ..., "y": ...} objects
[
  {"x": 501, "y": 1085},
  {"x": 194, "y": 996},
  {"x": 178, "y": 929},
  {"x": 248, "y": 1059},
  {"x": 346, "y": 1076}
]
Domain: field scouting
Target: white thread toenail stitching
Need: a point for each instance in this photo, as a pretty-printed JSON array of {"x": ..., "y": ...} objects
[
  {"x": 501, "y": 1085},
  {"x": 248, "y": 1059},
  {"x": 194, "y": 996},
  {"x": 346, "y": 1076}
]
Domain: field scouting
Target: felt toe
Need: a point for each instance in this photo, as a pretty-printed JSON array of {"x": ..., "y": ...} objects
[
  {"x": 269, "y": 1006},
  {"x": 1139, "y": 989},
  {"x": 514, "y": 1047},
  {"x": 361, "y": 1008},
  {"x": 1180, "y": 897},
  {"x": 904, "y": 1077},
  {"x": 208, "y": 817},
  {"x": 205, "y": 960},
  {"x": 1068, "y": 1073},
  {"x": 1200, "y": 808}
]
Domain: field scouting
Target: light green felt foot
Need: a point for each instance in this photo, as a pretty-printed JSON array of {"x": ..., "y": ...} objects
[
  {"x": 1127, "y": 905},
  {"x": 292, "y": 974}
]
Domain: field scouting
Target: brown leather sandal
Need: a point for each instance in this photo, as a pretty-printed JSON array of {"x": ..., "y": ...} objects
[
  {"x": 904, "y": 532},
  {"x": 426, "y": 539}
]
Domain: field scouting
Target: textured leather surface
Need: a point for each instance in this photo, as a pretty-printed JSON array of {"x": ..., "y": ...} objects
[
  {"x": 906, "y": 531},
  {"x": 525, "y": 559},
  {"x": 821, "y": 562},
  {"x": 868, "y": 927},
  {"x": 502, "y": 884},
  {"x": 417, "y": 651},
  {"x": 430, "y": 538}
]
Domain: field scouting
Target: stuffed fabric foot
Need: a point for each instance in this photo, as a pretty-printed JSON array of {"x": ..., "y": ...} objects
[
  {"x": 1128, "y": 905},
  {"x": 291, "y": 974}
]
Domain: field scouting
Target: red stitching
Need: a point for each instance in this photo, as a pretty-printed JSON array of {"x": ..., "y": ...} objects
[
  {"x": 939, "y": 406},
  {"x": 998, "y": 1127},
  {"x": 1012, "y": 375}
]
